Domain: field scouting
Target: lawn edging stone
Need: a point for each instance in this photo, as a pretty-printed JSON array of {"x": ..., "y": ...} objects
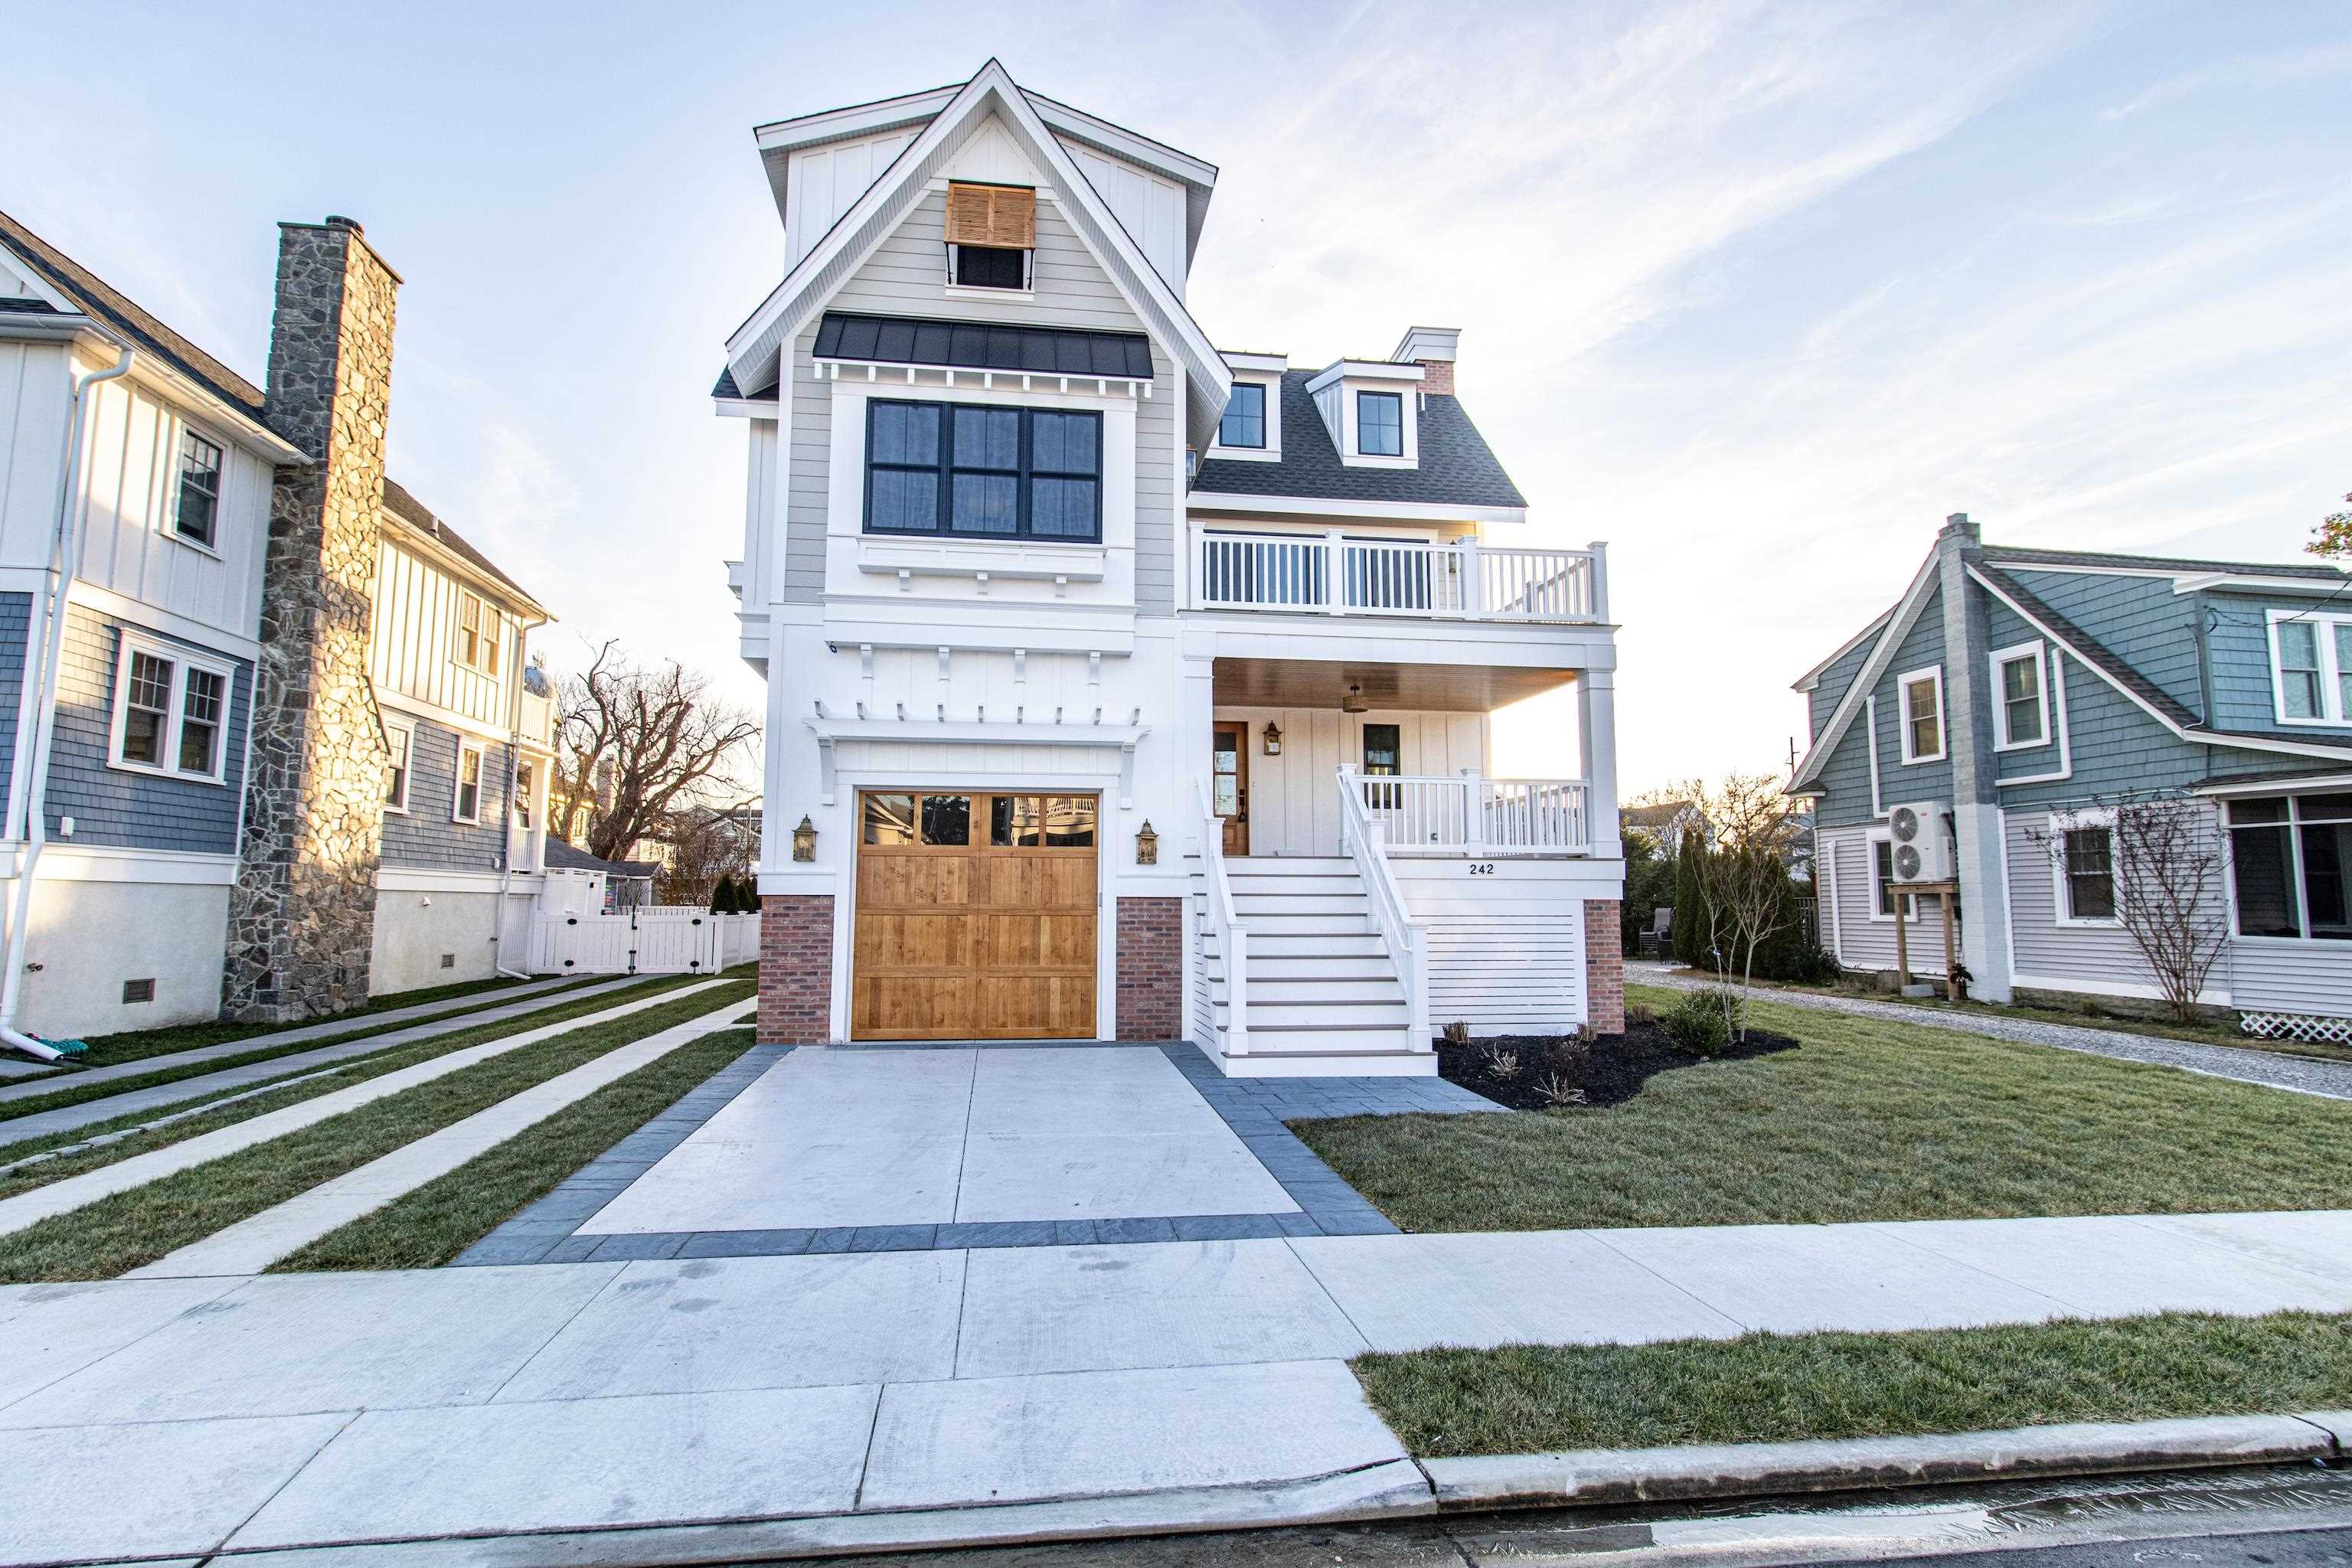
[{"x": 1591, "y": 1477}]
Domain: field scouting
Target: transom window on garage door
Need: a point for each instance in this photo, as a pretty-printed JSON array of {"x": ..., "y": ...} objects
[
  {"x": 982, "y": 471},
  {"x": 964, "y": 820}
]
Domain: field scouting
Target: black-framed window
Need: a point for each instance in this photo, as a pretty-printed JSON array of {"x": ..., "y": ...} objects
[
  {"x": 991, "y": 267},
  {"x": 200, "y": 478},
  {"x": 2291, "y": 864},
  {"x": 982, "y": 471},
  {"x": 1379, "y": 424},
  {"x": 1245, "y": 421},
  {"x": 1384, "y": 758}
]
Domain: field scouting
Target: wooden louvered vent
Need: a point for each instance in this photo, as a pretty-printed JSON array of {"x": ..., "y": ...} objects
[{"x": 1003, "y": 216}]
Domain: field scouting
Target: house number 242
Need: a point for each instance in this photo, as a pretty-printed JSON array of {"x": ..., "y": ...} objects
[{"x": 1482, "y": 868}]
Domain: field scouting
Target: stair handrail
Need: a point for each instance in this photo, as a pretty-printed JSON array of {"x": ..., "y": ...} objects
[
  {"x": 1365, "y": 842},
  {"x": 1233, "y": 936}
]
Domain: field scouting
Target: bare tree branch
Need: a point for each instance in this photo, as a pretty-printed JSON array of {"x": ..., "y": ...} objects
[
  {"x": 636, "y": 743},
  {"x": 2164, "y": 887}
]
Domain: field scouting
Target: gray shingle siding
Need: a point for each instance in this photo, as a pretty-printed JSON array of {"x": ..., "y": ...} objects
[
  {"x": 117, "y": 808},
  {"x": 427, "y": 837},
  {"x": 1830, "y": 687},
  {"x": 16, "y": 627},
  {"x": 2237, "y": 637},
  {"x": 1846, "y": 775},
  {"x": 2140, "y": 619}
]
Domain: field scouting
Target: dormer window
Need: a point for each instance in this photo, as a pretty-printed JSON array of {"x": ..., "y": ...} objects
[
  {"x": 1379, "y": 424},
  {"x": 991, "y": 236},
  {"x": 1245, "y": 421}
]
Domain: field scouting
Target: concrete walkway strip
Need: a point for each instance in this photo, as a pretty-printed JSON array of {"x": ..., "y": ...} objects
[
  {"x": 89, "y": 1112},
  {"x": 254, "y": 1244},
  {"x": 62, "y": 1197},
  {"x": 2240, "y": 1064},
  {"x": 1603, "y": 1476},
  {"x": 325, "y": 1029}
]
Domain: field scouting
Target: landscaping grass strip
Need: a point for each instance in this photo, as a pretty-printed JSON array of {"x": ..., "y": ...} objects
[
  {"x": 68, "y": 1092},
  {"x": 112, "y": 1051},
  {"x": 1762, "y": 1388},
  {"x": 245, "y": 1104},
  {"x": 1869, "y": 1120},
  {"x": 431, "y": 1225},
  {"x": 127, "y": 1229}
]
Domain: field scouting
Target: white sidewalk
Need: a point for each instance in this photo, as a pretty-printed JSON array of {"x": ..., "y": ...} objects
[{"x": 857, "y": 1395}]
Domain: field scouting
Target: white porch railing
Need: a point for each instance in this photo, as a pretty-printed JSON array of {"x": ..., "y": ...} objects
[
  {"x": 1232, "y": 937},
  {"x": 1473, "y": 816},
  {"x": 1333, "y": 574},
  {"x": 1363, "y": 838}
]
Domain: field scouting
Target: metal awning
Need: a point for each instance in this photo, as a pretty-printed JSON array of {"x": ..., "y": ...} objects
[{"x": 980, "y": 345}]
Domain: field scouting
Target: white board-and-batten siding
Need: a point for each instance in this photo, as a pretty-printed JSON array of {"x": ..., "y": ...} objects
[
  {"x": 905, "y": 276},
  {"x": 128, "y": 494},
  {"x": 1294, "y": 799},
  {"x": 413, "y": 652}
]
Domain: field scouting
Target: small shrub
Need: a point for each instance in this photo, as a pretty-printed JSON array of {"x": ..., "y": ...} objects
[
  {"x": 1554, "y": 1089},
  {"x": 1457, "y": 1033},
  {"x": 1640, "y": 1016},
  {"x": 1502, "y": 1066},
  {"x": 1570, "y": 1061},
  {"x": 1698, "y": 1023}
]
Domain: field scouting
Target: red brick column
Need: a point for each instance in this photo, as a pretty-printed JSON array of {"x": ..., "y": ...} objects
[
  {"x": 1605, "y": 967},
  {"x": 795, "y": 969},
  {"x": 1150, "y": 977}
]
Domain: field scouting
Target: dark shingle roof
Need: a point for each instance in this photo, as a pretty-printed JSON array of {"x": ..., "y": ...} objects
[
  {"x": 2020, "y": 556},
  {"x": 1457, "y": 468},
  {"x": 411, "y": 512},
  {"x": 984, "y": 345},
  {"x": 562, "y": 856},
  {"x": 103, "y": 301},
  {"x": 727, "y": 387}
]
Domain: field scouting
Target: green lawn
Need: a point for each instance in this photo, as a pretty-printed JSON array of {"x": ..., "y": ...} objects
[
  {"x": 427, "y": 1227},
  {"x": 1777, "y": 1387},
  {"x": 319, "y": 1082},
  {"x": 1869, "y": 1120},
  {"x": 111, "y": 1050},
  {"x": 131, "y": 1229}
]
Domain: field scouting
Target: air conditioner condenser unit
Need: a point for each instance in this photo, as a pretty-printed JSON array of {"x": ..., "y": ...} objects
[{"x": 1924, "y": 852}]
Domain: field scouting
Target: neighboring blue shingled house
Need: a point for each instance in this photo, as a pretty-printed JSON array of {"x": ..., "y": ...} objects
[{"x": 2025, "y": 694}]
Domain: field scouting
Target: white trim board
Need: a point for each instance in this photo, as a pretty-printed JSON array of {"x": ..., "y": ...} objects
[{"x": 63, "y": 860}]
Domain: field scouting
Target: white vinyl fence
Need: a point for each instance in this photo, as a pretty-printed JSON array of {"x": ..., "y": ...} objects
[{"x": 656, "y": 940}]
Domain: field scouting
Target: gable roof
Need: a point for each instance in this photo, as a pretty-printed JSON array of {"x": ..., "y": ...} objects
[
  {"x": 1457, "y": 466},
  {"x": 2022, "y": 559},
  {"x": 559, "y": 855},
  {"x": 755, "y": 352},
  {"x": 400, "y": 504},
  {"x": 1896, "y": 623},
  {"x": 106, "y": 304}
]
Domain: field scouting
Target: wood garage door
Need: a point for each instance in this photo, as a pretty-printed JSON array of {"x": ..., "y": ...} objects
[{"x": 975, "y": 916}]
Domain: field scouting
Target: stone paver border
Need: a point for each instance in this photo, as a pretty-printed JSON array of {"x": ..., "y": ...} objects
[
  {"x": 1255, "y": 1108},
  {"x": 2240, "y": 1064}
]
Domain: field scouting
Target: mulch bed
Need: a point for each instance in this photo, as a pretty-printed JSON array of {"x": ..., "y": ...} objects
[{"x": 1611, "y": 1070}]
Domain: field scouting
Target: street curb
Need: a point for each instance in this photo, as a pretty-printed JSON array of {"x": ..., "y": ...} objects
[{"x": 1587, "y": 1477}]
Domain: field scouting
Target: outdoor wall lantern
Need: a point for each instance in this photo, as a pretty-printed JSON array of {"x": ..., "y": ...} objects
[
  {"x": 1147, "y": 845},
  {"x": 1272, "y": 738},
  {"x": 804, "y": 840}
]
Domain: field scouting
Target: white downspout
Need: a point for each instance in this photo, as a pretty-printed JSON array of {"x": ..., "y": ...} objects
[
  {"x": 65, "y": 561},
  {"x": 514, "y": 771}
]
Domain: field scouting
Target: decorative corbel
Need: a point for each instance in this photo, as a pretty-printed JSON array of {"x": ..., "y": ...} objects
[
  {"x": 1127, "y": 777},
  {"x": 825, "y": 769}
]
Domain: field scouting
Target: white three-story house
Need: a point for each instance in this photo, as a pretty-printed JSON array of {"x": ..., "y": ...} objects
[{"x": 1120, "y": 687}]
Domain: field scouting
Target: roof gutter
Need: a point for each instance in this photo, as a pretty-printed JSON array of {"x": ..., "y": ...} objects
[{"x": 65, "y": 561}]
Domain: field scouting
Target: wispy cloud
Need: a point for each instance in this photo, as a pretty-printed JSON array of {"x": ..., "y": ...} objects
[{"x": 2245, "y": 71}]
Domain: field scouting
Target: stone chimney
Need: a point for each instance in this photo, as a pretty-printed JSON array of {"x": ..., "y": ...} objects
[
  {"x": 1433, "y": 349},
  {"x": 302, "y": 912}
]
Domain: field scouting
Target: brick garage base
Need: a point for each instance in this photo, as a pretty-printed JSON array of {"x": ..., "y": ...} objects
[
  {"x": 795, "y": 969},
  {"x": 1150, "y": 977},
  {"x": 1605, "y": 967}
]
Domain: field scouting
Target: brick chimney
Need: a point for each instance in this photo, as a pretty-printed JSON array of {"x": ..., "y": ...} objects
[
  {"x": 302, "y": 912},
  {"x": 1433, "y": 349}
]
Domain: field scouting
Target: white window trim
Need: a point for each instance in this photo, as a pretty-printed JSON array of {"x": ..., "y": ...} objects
[
  {"x": 181, "y": 659},
  {"x": 1878, "y": 915},
  {"x": 2331, "y": 674},
  {"x": 1272, "y": 451},
  {"x": 2291, "y": 797},
  {"x": 220, "y": 500},
  {"x": 408, "y": 769},
  {"x": 2007, "y": 656},
  {"x": 1902, "y": 683},
  {"x": 489, "y": 661},
  {"x": 457, "y": 781},
  {"x": 2062, "y": 894}
]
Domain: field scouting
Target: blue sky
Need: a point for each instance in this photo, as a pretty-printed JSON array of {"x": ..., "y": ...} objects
[{"x": 1755, "y": 293}]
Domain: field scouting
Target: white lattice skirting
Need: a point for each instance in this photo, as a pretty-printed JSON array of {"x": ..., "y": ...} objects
[{"x": 2297, "y": 1026}]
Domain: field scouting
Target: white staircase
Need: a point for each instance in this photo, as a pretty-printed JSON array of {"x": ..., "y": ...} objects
[{"x": 1321, "y": 982}]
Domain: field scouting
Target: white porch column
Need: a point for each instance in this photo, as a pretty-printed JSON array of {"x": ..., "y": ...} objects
[{"x": 1596, "y": 732}]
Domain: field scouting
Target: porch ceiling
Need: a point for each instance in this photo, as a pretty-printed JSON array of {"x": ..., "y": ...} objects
[{"x": 1323, "y": 683}]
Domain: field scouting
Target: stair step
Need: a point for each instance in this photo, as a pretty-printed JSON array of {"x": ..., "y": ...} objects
[
  {"x": 1316, "y": 925},
  {"x": 1302, "y": 1037},
  {"x": 1370, "y": 989},
  {"x": 1313, "y": 944},
  {"x": 1327, "y": 1015},
  {"x": 1290, "y": 866},
  {"x": 1325, "y": 882},
  {"x": 1329, "y": 969},
  {"x": 1254, "y": 907}
]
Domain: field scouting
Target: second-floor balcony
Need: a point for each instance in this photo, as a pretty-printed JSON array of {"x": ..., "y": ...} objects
[{"x": 1336, "y": 573}]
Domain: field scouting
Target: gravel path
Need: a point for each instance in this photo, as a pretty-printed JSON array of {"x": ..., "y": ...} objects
[{"x": 2331, "y": 1080}]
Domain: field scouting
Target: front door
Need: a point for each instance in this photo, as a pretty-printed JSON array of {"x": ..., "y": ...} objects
[
  {"x": 975, "y": 916},
  {"x": 1229, "y": 784}
]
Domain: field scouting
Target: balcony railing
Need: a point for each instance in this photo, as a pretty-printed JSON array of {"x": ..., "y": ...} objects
[
  {"x": 1333, "y": 574},
  {"x": 1476, "y": 817}
]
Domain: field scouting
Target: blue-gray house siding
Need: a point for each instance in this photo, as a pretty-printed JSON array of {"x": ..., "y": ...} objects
[
  {"x": 16, "y": 627},
  {"x": 428, "y": 836},
  {"x": 117, "y": 808}
]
